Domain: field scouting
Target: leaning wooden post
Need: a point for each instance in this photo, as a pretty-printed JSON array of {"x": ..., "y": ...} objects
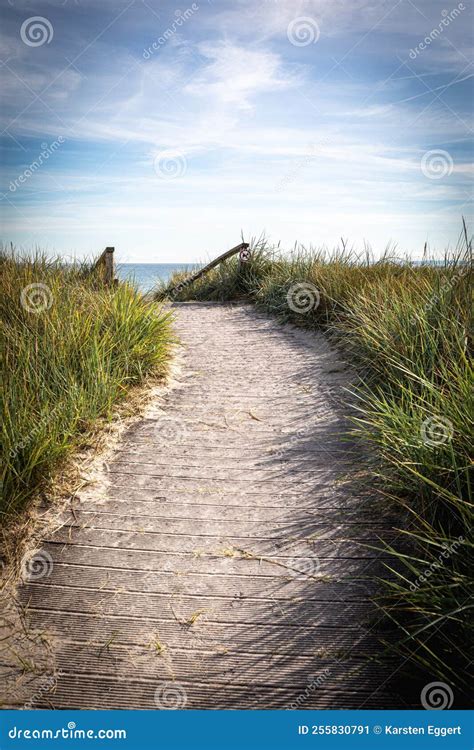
[{"x": 173, "y": 291}]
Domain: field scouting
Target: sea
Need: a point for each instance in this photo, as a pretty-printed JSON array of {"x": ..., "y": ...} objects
[{"x": 147, "y": 275}]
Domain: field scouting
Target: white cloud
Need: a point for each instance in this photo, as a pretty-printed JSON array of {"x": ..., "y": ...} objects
[{"x": 235, "y": 75}]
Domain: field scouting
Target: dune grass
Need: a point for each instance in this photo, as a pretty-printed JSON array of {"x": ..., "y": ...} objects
[
  {"x": 71, "y": 349},
  {"x": 407, "y": 329}
]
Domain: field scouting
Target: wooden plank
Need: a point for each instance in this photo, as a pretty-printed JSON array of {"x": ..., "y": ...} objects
[
  {"x": 348, "y": 613},
  {"x": 173, "y": 291},
  {"x": 307, "y": 640},
  {"x": 95, "y": 544},
  {"x": 77, "y": 691},
  {"x": 218, "y": 666},
  {"x": 283, "y": 587}
]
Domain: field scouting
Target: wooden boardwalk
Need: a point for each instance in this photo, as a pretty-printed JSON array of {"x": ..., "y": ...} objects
[{"x": 224, "y": 566}]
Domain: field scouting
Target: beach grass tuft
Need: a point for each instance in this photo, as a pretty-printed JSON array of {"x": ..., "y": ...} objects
[{"x": 71, "y": 349}]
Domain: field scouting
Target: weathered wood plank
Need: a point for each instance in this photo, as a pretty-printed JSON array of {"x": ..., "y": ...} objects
[
  {"x": 195, "y": 276},
  {"x": 308, "y": 640},
  {"x": 350, "y": 613},
  {"x": 79, "y": 691}
]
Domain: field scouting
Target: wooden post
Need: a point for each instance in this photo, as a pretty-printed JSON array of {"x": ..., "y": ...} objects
[
  {"x": 105, "y": 266},
  {"x": 109, "y": 265},
  {"x": 244, "y": 256}
]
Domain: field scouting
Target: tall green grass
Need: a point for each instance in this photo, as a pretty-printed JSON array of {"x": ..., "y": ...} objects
[
  {"x": 71, "y": 348},
  {"x": 407, "y": 328}
]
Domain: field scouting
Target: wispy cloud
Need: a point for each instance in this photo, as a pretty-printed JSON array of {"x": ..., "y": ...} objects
[{"x": 236, "y": 76}]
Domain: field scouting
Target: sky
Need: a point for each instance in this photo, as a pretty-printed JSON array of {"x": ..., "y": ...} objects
[{"x": 169, "y": 129}]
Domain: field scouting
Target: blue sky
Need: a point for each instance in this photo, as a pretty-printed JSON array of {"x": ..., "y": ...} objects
[{"x": 167, "y": 128}]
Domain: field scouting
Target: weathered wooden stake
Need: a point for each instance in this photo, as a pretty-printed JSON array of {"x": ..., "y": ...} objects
[
  {"x": 105, "y": 265},
  {"x": 109, "y": 265}
]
